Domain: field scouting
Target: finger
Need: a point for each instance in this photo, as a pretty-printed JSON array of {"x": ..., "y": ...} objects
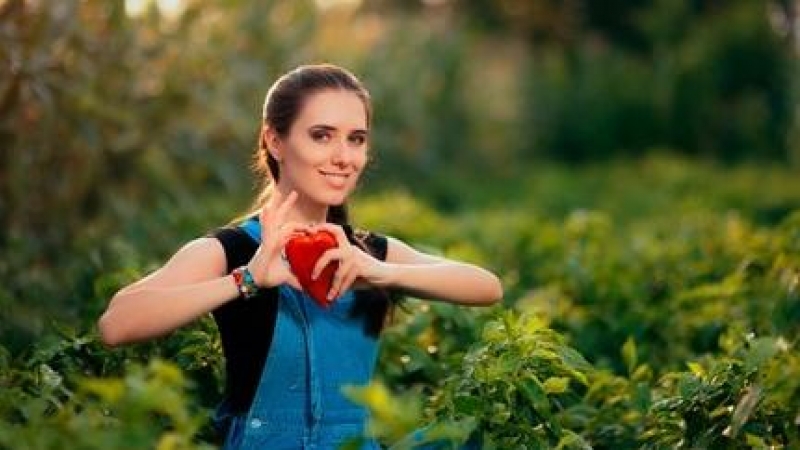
[
  {"x": 289, "y": 229},
  {"x": 276, "y": 206},
  {"x": 263, "y": 219},
  {"x": 265, "y": 215},
  {"x": 330, "y": 255},
  {"x": 274, "y": 200},
  {"x": 338, "y": 232},
  {"x": 275, "y": 197},
  {"x": 279, "y": 236},
  {"x": 292, "y": 281},
  {"x": 286, "y": 233},
  {"x": 341, "y": 281},
  {"x": 285, "y": 207},
  {"x": 342, "y": 272},
  {"x": 347, "y": 282},
  {"x": 277, "y": 247}
]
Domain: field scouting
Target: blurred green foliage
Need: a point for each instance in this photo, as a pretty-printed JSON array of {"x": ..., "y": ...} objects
[
  {"x": 676, "y": 285},
  {"x": 651, "y": 291},
  {"x": 147, "y": 408},
  {"x": 702, "y": 78}
]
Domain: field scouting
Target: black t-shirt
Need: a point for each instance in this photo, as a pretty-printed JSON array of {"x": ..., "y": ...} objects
[{"x": 246, "y": 326}]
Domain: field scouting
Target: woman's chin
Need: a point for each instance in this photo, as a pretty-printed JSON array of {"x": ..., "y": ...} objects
[
  {"x": 335, "y": 199},
  {"x": 337, "y": 202},
  {"x": 329, "y": 197},
  {"x": 330, "y": 201}
]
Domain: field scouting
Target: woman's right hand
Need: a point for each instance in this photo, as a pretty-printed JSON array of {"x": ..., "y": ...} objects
[{"x": 268, "y": 267}]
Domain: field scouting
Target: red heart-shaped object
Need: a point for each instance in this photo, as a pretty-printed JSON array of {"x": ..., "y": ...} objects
[{"x": 303, "y": 251}]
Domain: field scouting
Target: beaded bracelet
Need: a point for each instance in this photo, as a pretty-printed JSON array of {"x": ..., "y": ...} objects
[{"x": 244, "y": 282}]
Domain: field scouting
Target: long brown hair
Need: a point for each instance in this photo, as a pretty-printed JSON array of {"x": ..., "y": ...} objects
[{"x": 282, "y": 105}]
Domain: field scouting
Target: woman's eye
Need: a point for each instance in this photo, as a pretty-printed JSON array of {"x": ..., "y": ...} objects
[
  {"x": 321, "y": 136},
  {"x": 358, "y": 139}
]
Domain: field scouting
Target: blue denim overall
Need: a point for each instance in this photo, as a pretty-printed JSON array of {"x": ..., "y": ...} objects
[{"x": 298, "y": 403}]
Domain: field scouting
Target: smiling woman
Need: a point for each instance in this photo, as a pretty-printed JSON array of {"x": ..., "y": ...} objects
[{"x": 291, "y": 342}]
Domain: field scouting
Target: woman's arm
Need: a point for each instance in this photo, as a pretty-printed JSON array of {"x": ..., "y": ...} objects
[
  {"x": 409, "y": 270},
  {"x": 192, "y": 283},
  {"x": 195, "y": 281},
  {"x": 427, "y": 276}
]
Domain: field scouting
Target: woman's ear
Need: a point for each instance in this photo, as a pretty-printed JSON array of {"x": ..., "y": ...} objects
[{"x": 270, "y": 142}]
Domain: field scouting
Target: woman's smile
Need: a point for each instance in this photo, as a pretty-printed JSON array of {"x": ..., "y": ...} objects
[{"x": 336, "y": 180}]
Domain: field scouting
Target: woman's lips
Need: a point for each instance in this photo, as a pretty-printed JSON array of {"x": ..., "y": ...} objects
[{"x": 335, "y": 179}]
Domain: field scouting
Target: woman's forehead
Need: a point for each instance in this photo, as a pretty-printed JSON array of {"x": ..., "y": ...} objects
[{"x": 337, "y": 108}]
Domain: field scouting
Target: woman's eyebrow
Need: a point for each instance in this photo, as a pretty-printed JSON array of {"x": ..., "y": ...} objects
[
  {"x": 323, "y": 127},
  {"x": 326, "y": 127}
]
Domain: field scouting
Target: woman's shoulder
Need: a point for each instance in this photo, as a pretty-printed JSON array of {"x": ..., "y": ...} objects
[{"x": 237, "y": 244}]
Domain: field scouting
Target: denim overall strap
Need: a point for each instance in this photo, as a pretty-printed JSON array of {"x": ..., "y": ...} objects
[
  {"x": 253, "y": 228},
  {"x": 278, "y": 418},
  {"x": 343, "y": 355}
]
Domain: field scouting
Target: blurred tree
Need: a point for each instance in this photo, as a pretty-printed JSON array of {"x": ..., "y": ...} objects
[
  {"x": 102, "y": 111},
  {"x": 704, "y": 78},
  {"x": 732, "y": 93},
  {"x": 94, "y": 100},
  {"x": 785, "y": 13},
  {"x": 71, "y": 130}
]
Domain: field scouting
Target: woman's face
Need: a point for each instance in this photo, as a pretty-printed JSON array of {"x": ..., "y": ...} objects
[{"x": 326, "y": 149}]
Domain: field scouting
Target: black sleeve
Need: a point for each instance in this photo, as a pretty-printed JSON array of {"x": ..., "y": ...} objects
[
  {"x": 376, "y": 244},
  {"x": 239, "y": 247},
  {"x": 245, "y": 326},
  {"x": 379, "y": 245}
]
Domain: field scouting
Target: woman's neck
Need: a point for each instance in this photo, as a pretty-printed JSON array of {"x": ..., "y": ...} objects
[{"x": 306, "y": 211}]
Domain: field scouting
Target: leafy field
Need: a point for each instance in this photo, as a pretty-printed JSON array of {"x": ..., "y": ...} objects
[{"x": 649, "y": 304}]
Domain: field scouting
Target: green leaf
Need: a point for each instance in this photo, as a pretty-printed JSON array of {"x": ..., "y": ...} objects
[
  {"x": 468, "y": 405},
  {"x": 572, "y": 441},
  {"x": 688, "y": 385},
  {"x": 533, "y": 390},
  {"x": 696, "y": 369},
  {"x": 756, "y": 442},
  {"x": 629, "y": 354},
  {"x": 110, "y": 390},
  {"x": 556, "y": 385},
  {"x": 642, "y": 397},
  {"x": 573, "y": 359},
  {"x": 760, "y": 350}
]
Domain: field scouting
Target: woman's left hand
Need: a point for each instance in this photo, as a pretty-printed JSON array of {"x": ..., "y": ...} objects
[{"x": 355, "y": 265}]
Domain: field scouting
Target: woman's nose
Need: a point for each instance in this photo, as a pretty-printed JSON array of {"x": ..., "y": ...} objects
[{"x": 342, "y": 154}]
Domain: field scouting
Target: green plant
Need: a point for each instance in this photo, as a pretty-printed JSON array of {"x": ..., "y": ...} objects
[
  {"x": 148, "y": 407},
  {"x": 518, "y": 384}
]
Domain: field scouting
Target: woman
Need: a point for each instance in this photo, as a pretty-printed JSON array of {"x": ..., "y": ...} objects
[{"x": 286, "y": 355}]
